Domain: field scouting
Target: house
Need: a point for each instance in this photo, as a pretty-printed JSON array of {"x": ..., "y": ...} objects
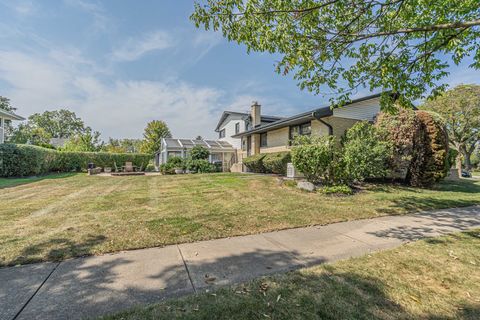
[
  {"x": 232, "y": 123},
  {"x": 6, "y": 116},
  {"x": 220, "y": 151},
  {"x": 275, "y": 136}
]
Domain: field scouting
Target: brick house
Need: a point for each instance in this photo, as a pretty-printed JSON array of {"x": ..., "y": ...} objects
[{"x": 274, "y": 135}]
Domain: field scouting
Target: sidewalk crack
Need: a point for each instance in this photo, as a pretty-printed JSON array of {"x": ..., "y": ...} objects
[
  {"x": 36, "y": 291},
  {"x": 186, "y": 269}
]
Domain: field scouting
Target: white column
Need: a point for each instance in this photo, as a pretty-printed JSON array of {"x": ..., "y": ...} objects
[{"x": 2, "y": 131}]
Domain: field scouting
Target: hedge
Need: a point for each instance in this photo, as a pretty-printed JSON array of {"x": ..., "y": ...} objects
[
  {"x": 276, "y": 162},
  {"x": 255, "y": 163},
  {"x": 17, "y": 160}
]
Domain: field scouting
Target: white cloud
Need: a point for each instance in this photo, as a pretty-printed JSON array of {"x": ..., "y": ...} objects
[
  {"x": 118, "y": 109},
  {"x": 100, "y": 18},
  {"x": 134, "y": 48}
]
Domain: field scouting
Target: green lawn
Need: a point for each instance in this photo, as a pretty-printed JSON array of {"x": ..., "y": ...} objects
[
  {"x": 61, "y": 216},
  {"x": 437, "y": 278}
]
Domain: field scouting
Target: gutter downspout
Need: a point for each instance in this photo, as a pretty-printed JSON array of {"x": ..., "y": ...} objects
[{"x": 330, "y": 128}]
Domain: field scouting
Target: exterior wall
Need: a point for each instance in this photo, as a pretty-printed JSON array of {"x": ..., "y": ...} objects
[
  {"x": 277, "y": 140},
  {"x": 319, "y": 129},
  {"x": 229, "y": 126},
  {"x": 364, "y": 110},
  {"x": 340, "y": 125}
]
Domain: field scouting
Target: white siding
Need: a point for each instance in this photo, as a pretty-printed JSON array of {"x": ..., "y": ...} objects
[
  {"x": 365, "y": 110},
  {"x": 229, "y": 126}
]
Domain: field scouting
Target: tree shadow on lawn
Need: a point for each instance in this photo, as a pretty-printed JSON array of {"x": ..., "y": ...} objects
[
  {"x": 463, "y": 186},
  {"x": 14, "y": 182},
  {"x": 331, "y": 294},
  {"x": 93, "y": 286},
  {"x": 434, "y": 224},
  {"x": 56, "y": 249},
  {"x": 412, "y": 204}
]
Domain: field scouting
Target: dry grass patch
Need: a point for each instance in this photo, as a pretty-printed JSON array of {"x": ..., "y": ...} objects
[
  {"x": 437, "y": 278},
  {"x": 61, "y": 216}
]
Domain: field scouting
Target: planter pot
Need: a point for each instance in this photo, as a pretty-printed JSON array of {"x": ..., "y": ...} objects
[
  {"x": 178, "y": 171},
  {"x": 107, "y": 169}
]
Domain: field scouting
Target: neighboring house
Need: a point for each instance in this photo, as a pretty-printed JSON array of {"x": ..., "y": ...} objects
[
  {"x": 232, "y": 123},
  {"x": 277, "y": 135},
  {"x": 220, "y": 151},
  {"x": 7, "y": 116},
  {"x": 58, "y": 142}
]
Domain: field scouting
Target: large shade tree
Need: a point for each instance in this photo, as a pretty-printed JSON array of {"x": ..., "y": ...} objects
[
  {"x": 152, "y": 137},
  {"x": 460, "y": 108},
  {"x": 58, "y": 123},
  {"x": 339, "y": 46}
]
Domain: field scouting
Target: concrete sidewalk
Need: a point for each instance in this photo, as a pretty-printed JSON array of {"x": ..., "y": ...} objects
[{"x": 92, "y": 286}]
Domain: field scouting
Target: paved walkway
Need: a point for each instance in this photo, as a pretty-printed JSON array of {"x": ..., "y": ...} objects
[{"x": 97, "y": 285}]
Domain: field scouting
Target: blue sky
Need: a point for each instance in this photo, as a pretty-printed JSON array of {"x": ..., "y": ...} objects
[{"x": 121, "y": 63}]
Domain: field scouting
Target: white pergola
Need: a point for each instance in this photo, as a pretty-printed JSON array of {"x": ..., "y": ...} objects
[{"x": 6, "y": 115}]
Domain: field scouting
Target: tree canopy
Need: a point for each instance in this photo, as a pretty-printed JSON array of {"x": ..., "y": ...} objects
[
  {"x": 88, "y": 141},
  {"x": 153, "y": 134},
  {"x": 460, "y": 108},
  {"x": 6, "y": 105},
  {"x": 58, "y": 123},
  {"x": 340, "y": 46}
]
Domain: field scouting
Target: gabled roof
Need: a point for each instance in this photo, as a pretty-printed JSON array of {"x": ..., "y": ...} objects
[
  {"x": 10, "y": 115},
  {"x": 225, "y": 114},
  {"x": 300, "y": 118}
]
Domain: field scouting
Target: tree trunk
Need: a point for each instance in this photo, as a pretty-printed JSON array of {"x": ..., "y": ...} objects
[
  {"x": 467, "y": 154},
  {"x": 459, "y": 164}
]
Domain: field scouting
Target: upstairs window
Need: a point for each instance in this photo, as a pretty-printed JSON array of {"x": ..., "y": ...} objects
[
  {"x": 221, "y": 134},
  {"x": 237, "y": 127},
  {"x": 263, "y": 140}
]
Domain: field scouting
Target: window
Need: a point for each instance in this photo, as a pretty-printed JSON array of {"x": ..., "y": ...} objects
[
  {"x": 237, "y": 127},
  {"x": 263, "y": 140},
  {"x": 304, "y": 129},
  {"x": 221, "y": 134}
]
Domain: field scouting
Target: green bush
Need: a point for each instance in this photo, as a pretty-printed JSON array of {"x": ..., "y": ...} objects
[
  {"x": 17, "y": 160},
  {"x": 317, "y": 158},
  {"x": 167, "y": 168},
  {"x": 255, "y": 163},
  {"x": 150, "y": 167},
  {"x": 176, "y": 163},
  {"x": 420, "y": 146},
  {"x": 199, "y": 153},
  {"x": 364, "y": 153},
  {"x": 430, "y": 156},
  {"x": 339, "y": 189},
  {"x": 200, "y": 166},
  {"x": 277, "y": 162}
]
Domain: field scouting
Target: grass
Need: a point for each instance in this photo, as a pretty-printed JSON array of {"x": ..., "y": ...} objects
[
  {"x": 437, "y": 278},
  {"x": 57, "y": 217}
]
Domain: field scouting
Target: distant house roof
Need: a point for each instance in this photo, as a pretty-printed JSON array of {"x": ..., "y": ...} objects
[
  {"x": 58, "y": 142},
  {"x": 10, "y": 115},
  {"x": 225, "y": 114},
  {"x": 300, "y": 118},
  {"x": 181, "y": 144}
]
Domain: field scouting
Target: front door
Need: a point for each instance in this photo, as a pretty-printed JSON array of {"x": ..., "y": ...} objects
[{"x": 249, "y": 145}]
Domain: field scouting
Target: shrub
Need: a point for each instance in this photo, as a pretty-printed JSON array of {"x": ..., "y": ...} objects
[
  {"x": 26, "y": 160},
  {"x": 200, "y": 166},
  {"x": 176, "y": 162},
  {"x": 167, "y": 168},
  {"x": 430, "y": 154},
  {"x": 255, "y": 163},
  {"x": 150, "y": 167},
  {"x": 338, "y": 189},
  {"x": 317, "y": 158},
  {"x": 420, "y": 146},
  {"x": 199, "y": 153},
  {"x": 277, "y": 162},
  {"x": 400, "y": 129},
  {"x": 364, "y": 154}
]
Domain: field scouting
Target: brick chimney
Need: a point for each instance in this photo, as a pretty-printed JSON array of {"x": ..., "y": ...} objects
[{"x": 255, "y": 114}]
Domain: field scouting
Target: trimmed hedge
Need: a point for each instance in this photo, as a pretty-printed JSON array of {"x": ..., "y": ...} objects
[
  {"x": 255, "y": 163},
  {"x": 276, "y": 162},
  {"x": 18, "y": 160}
]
